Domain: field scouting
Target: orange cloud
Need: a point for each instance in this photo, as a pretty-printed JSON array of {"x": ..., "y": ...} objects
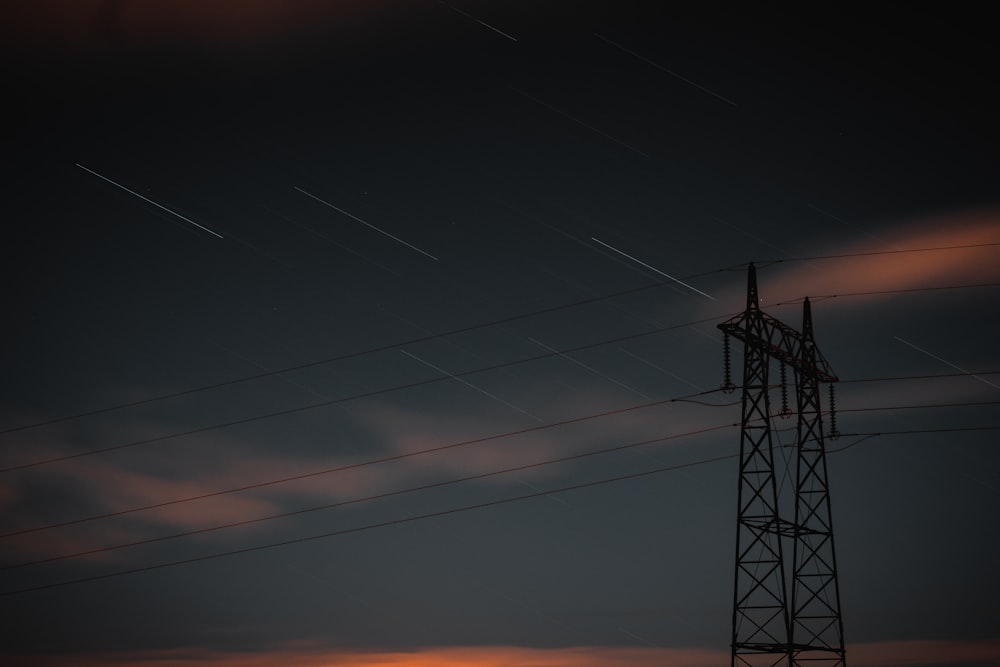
[{"x": 897, "y": 270}]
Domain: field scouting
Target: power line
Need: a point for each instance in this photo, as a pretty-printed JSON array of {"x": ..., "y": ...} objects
[
  {"x": 379, "y": 496},
  {"x": 690, "y": 398},
  {"x": 935, "y": 376},
  {"x": 384, "y": 459},
  {"x": 350, "y": 355},
  {"x": 411, "y": 385},
  {"x": 446, "y": 512},
  {"x": 483, "y": 325},
  {"x": 335, "y": 401},
  {"x": 876, "y": 434},
  {"x": 956, "y": 429},
  {"x": 824, "y": 297},
  {"x": 419, "y": 488},
  {"x": 878, "y": 252},
  {"x": 357, "y": 529},
  {"x": 965, "y": 404}
]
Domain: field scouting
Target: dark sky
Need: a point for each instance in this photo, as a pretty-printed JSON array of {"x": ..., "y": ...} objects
[{"x": 248, "y": 241}]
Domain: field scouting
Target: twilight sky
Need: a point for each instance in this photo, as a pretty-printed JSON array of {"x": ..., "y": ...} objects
[{"x": 310, "y": 304}]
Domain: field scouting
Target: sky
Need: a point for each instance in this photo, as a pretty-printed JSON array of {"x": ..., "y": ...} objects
[{"x": 384, "y": 333}]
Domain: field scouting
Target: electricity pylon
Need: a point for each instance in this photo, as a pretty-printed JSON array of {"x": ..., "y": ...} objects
[{"x": 769, "y": 628}]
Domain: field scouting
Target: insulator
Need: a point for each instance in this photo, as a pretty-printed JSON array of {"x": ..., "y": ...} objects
[
  {"x": 727, "y": 377},
  {"x": 785, "y": 412},
  {"x": 834, "y": 433}
]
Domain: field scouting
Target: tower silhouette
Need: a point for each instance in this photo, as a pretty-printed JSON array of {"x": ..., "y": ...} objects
[{"x": 771, "y": 626}]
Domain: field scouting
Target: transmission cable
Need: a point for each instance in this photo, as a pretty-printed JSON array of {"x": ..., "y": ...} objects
[
  {"x": 690, "y": 398},
  {"x": 357, "y": 529},
  {"x": 352, "y": 355},
  {"x": 939, "y": 288},
  {"x": 935, "y": 376},
  {"x": 965, "y": 404},
  {"x": 460, "y": 330},
  {"x": 781, "y": 484},
  {"x": 335, "y": 401},
  {"x": 384, "y": 459},
  {"x": 446, "y": 512},
  {"x": 966, "y": 246},
  {"x": 420, "y": 383},
  {"x": 380, "y": 496}
]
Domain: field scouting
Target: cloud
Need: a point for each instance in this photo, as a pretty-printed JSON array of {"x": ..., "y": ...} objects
[
  {"x": 901, "y": 270},
  {"x": 106, "y": 484},
  {"x": 409, "y": 430},
  {"x": 98, "y": 485}
]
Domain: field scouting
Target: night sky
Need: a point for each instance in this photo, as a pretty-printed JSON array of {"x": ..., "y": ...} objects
[{"x": 456, "y": 268}]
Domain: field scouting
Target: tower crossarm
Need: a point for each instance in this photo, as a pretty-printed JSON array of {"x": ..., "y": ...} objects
[{"x": 778, "y": 340}]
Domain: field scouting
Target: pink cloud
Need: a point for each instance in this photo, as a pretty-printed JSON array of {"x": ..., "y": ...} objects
[{"x": 893, "y": 271}]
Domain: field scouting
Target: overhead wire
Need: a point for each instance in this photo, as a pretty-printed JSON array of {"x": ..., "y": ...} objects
[
  {"x": 370, "y": 462},
  {"x": 960, "y": 404},
  {"x": 439, "y": 513},
  {"x": 350, "y": 355},
  {"x": 379, "y": 496},
  {"x": 955, "y": 429},
  {"x": 935, "y": 288},
  {"x": 531, "y": 429},
  {"x": 866, "y": 436},
  {"x": 965, "y": 246},
  {"x": 932, "y": 376},
  {"x": 357, "y": 529},
  {"x": 781, "y": 447},
  {"x": 344, "y": 399},
  {"x": 484, "y": 325},
  {"x": 411, "y": 385}
]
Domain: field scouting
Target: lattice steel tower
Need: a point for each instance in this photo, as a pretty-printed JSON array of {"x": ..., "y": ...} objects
[{"x": 771, "y": 627}]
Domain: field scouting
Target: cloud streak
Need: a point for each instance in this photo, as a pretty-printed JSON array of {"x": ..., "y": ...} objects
[{"x": 858, "y": 267}]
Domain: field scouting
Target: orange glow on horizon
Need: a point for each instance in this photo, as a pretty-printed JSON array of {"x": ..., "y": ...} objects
[
  {"x": 472, "y": 656},
  {"x": 873, "y": 654}
]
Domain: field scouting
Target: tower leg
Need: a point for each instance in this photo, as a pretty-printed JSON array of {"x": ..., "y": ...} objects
[
  {"x": 816, "y": 631},
  {"x": 760, "y": 612}
]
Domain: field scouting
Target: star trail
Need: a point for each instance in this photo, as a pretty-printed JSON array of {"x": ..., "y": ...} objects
[{"x": 386, "y": 332}]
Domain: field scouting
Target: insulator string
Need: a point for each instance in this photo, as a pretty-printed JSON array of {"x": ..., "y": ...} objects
[
  {"x": 727, "y": 378},
  {"x": 785, "y": 412},
  {"x": 834, "y": 433}
]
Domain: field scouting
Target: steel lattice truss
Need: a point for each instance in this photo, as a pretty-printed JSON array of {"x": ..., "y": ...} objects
[{"x": 769, "y": 628}]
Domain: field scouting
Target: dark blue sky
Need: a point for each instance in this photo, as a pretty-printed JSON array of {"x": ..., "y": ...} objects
[{"x": 200, "y": 195}]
